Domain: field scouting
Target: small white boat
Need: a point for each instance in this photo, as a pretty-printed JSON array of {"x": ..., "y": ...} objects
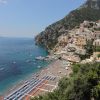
[
  {"x": 31, "y": 55},
  {"x": 1, "y": 69},
  {"x": 34, "y": 63},
  {"x": 28, "y": 61},
  {"x": 14, "y": 62},
  {"x": 40, "y": 58},
  {"x": 39, "y": 66}
]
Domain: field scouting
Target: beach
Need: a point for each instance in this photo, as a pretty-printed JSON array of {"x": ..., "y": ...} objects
[{"x": 55, "y": 70}]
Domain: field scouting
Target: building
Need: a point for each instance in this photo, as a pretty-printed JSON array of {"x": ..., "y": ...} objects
[
  {"x": 63, "y": 40},
  {"x": 80, "y": 51},
  {"x": 96, "y": 42},
  {"x": 97, "y": 34},
  {"x": 80, "y": 41}
]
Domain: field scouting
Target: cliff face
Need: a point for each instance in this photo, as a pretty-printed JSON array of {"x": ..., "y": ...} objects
[
  {"x": 90, "y": 11},
  {"x": 95, "y": 4}
]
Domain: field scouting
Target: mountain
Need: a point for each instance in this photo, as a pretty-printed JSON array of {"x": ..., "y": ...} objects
[{"x": 90, "y": 11}]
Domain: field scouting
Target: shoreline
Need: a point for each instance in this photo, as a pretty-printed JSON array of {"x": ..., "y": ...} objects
[
  {"x": 55, "y": 68},
  {"x": 20, "y": 82}
]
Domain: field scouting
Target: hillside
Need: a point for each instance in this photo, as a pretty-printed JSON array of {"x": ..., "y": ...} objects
[{"x": 90, "y": 11}]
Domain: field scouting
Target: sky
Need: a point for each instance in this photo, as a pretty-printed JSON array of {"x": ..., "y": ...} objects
[{"x": 26, "y": 18}]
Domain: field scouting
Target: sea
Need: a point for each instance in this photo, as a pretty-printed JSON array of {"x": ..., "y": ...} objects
[{"x": 17, "y": 60}]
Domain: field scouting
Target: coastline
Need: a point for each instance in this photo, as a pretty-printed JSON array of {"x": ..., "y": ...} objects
[
  {"x": 48, "y": 70},
  {"x": 20, "y": 82},
  {"x": 18, "y": 62}
]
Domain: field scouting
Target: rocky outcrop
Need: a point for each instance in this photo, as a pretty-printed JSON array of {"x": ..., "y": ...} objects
[
  {"x": 95, "y": 4},
  {"x": 89, "y": 11}
]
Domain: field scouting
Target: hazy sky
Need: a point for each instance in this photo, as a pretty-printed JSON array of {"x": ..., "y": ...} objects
[{"x": 25, "y": 18}]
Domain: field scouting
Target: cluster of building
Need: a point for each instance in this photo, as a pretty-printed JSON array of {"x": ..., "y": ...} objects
[{"x": 72, "y": 43}]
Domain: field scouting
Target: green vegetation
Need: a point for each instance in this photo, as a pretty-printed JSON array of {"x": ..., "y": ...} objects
[
  {"x": 89, "y": 50},
  {"x": 97, "y": 29},
  {"x": 98, "y": 55},
  {"x": 83, "y": 84},
  {"x": 97, "y": 48}
]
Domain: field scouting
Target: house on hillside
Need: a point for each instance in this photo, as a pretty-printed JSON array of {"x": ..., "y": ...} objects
[
  {"x": 80, "y": 41},
  {"x": 96, "y": 42},
  {"x": 97, "y": 34},
  {"x": 63, "y": 40},
  {"x": 80, "y": 51},
  {"x": 97, "y": 24}
]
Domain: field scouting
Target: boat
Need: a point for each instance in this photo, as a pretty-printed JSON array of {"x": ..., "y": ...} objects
[
  {"x": 28, "y": 61},
  {"x": 39, "y": 66},
  {"x": 40, "y": 58},
  {"x": 1, "y": 69},
  {"x": 31, "y": 55},
  {"x": 14, "y": 62}
]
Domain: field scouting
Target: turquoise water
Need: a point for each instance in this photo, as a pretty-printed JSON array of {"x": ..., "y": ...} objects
[{"x": 17, "y": 60}]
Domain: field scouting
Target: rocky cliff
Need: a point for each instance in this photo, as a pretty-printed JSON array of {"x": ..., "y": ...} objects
[
  {"x": 90, "y": 11},
  {"x": 95, "y": 4}
]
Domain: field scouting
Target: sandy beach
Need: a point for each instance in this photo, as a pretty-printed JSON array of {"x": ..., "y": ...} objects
[{"x": 55, "y": 69}]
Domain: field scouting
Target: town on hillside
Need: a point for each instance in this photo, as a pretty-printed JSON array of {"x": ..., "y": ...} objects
[{"x": 81, "y": 44}]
